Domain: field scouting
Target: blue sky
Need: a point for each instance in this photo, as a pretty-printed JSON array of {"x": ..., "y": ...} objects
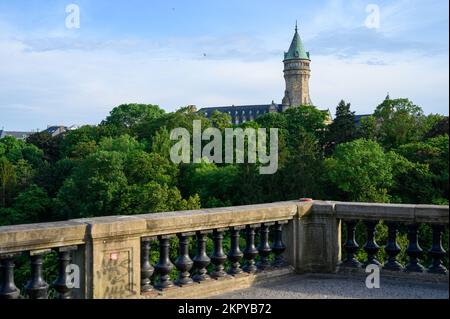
[{"x": 176, "y": 53}]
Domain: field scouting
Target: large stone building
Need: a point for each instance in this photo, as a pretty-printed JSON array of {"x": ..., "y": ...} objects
[{"x": 296, "y": 74}]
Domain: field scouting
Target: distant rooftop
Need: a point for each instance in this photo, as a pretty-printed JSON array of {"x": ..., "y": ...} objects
[{"x": 17, "y": 134}]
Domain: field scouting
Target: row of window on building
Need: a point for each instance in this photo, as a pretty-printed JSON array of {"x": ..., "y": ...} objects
[{"x": 242, "y": 113}]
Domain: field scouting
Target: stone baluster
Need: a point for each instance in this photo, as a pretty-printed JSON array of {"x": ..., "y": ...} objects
[
  {"x": 264, "y": 247},
  {"x": 164, "y": 265},
  {"x": 250, "y": 251},
  {"x": 147, "y": 269},
  {"x": 235, "y": 254},
  {"x": 37, "y": 288},
  {"x": 371, "y": 247},
  {"x": 218, "y": 257},
  {"x": 184, "y": 263},
  {"x": 351, "y": 246},
  {"x": 278, "y": 247},
  {"x": 8, "y": 289},
  {"x": 392, "y": 248},
  {"x": 61, "y": 284},
  {"x": 201, "y": 259},
  {"x": 437, "y": 252},
  {"x": 414, "y": 251}
]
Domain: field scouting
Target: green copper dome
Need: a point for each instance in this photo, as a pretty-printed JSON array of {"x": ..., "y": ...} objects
[{"x": 296, "y": 50}]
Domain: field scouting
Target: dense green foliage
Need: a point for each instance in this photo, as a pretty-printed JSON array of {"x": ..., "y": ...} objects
[{"x": 122, "y": 166}]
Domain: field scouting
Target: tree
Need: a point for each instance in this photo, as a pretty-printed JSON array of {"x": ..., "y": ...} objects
[
  {"x": 126, "y": 117},
  {"x": 439, "y": 128},
  {"x": 33, "y": 205},
  {"x": 413, "y": 182},
  {"x": 7, "y": 179},
  {"x": 368, "y": 128},
  {"x": 213, "y": 184},
  {"x": 307, "y": 118},
  {"x": 16, "y": 150},
  {"x": 95, "y": 188},
  {"x": 343, "y": 129},
  {"x": 361, "y": 171},
  {"x": 48, "y": 144},
  {"x": 434, "y": 153},
  {"x": 80, "y": 142},
  {"x": 399, "y": 122},
  {"x": 221, "y": 120},
  {"x": 304, "y": 164}
]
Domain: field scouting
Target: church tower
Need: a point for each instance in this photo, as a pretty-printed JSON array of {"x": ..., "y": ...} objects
[{"x": 296, "y": 74}]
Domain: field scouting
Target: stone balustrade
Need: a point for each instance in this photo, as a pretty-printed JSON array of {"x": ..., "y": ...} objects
[
  {"x": 112, "y": 254},
  {"x": 394, "y": 216}
]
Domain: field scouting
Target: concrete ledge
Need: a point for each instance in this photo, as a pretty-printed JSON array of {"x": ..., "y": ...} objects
[
  {"x": 323, "y": 208},
  {"x": 373, "y": 211},
  {"x": 393, "y": 212},
  {"x": 207, "y": 219},
  {"x": 113, "y": 226},
  {"x": 213, "y": 287},
  {"x": 431, "y": 214},
  {"x": 19, "y": 238}
]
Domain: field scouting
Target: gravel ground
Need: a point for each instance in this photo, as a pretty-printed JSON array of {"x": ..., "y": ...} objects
[{"x": 314, "y": 286}]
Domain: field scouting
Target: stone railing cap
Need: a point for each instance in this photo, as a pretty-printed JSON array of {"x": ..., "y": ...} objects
[
  {"x": 208, "y": 219},
  {"x": 393, "y": 212},
  {"x": 114, "y": 226},
  {"x": 18, "y": 238}
]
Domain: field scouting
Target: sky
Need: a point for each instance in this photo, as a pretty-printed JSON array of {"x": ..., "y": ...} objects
[{"x": 209, "y": 53}]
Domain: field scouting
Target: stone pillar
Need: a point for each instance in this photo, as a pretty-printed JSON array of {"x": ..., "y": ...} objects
[
  {"x": 313, "y": 238},
  {"x": 110, "y": 260}
]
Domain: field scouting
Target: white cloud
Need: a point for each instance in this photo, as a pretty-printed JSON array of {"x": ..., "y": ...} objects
[{"x": 66, "y": 82}]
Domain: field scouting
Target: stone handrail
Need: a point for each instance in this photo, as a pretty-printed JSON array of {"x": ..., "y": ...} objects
[
  {"x": 310, "y": 241},
  {"x": 34, "y": 237},
  {"x": 430, "y": 214}
]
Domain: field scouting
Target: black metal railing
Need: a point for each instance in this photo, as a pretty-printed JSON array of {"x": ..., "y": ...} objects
[
  {"x": 36, "y": 287},
  {"x": 415, "y": 253},
  {"x": 203, "y": 267}
]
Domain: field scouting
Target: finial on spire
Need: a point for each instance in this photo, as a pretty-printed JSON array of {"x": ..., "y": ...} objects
[{"x": 296, "y": 26}]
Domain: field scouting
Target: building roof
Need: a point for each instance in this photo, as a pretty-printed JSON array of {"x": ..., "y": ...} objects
[
  {"x": 296, "y": 50},
  {"x": 16, "y": 134},
  {"x": 359, "y": 117},
  {"x": 261, "y": 107},
  {"x": 52, "y": 129},
  {"x": 239, "y": 108}
]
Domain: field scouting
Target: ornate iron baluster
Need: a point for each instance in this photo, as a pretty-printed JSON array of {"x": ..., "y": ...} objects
[
  {"x": 250, "y": 251},
  {"x": 235, "y": 254},
  {"x": 8, "y": 289},
  {"x": 164, "y": 265},
  {"x": 371, "y": 247},
  {"x": 392, "y": 248},
  {"x": 147, "y": 269},
  {"x": 184, "y": 263},
  {"x": 437, "y": 252},
  {"x": 201, "y": 259},
  {"x": 218, "y": 258},
  {"x": 61, "y": 283},
  {"x": 278, "y": 247},
  {"x": 414, "y": 251},
  {"x": 37, "y": 288},
  {"x": 351, "y": 246},
  {"x": 264, "y": 247}
]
